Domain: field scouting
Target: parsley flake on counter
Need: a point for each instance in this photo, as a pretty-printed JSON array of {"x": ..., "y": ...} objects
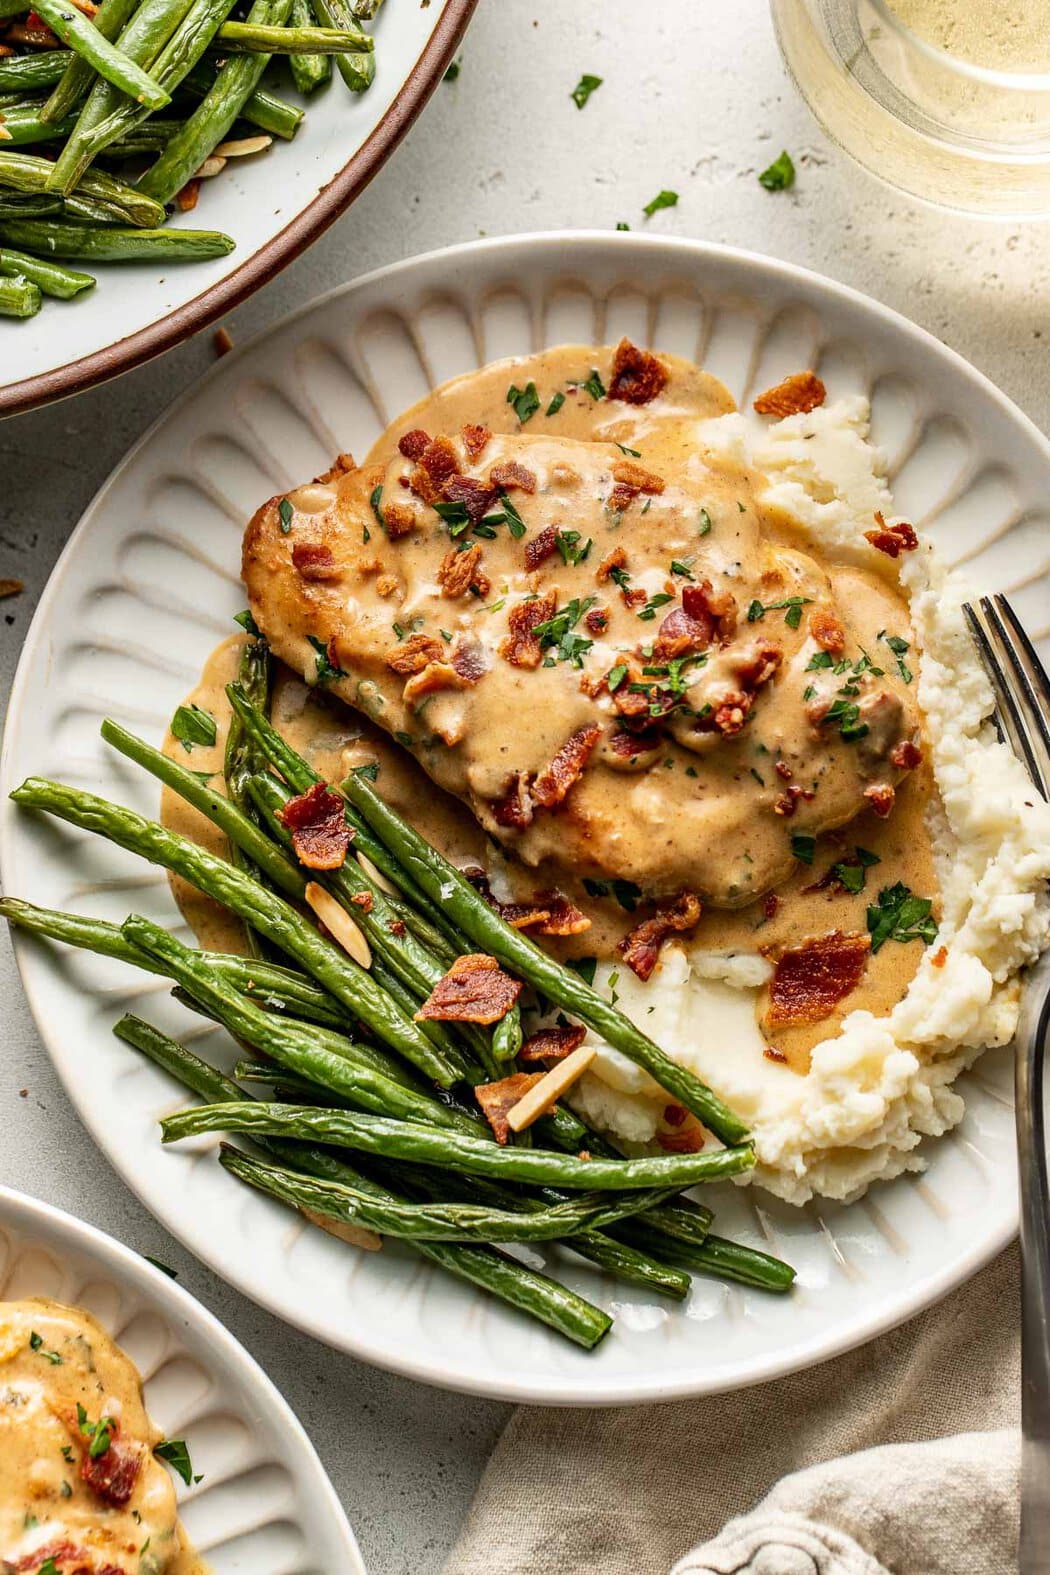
[
  {"x": 900, "y": 916},
  {"x": 584, "y": 88},
  {"x": 174, "y": 1451},
  {"x": 163, "y": 1267},
  {"x": 779, "y": 175},
  {"x": 851, "y": 874},
  {"x": 621, "y": 224},
  {"x": 803, "y": 846},
  {"x": 190, "y": 725},
  {"x": 526, "y": 401},
  {"x": 453, "y": 71},
  {"x": 555, "y": 405},
  {"x": 284, "y": 513},
  {"x": 663, "y": 199},
  {"x": 792, "y": 609}
]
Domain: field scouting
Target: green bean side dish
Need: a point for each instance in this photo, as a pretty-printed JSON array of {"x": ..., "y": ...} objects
[
  {"x": 372, "y": 1122},
  {"x": 112, "y": 115}
]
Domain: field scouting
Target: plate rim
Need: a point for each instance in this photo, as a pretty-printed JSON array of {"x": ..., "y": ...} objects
[
  {"x": 179, "y": 1308},
  {"x": 567, "y": 1389},
  {"x": 163, "y": 334}
]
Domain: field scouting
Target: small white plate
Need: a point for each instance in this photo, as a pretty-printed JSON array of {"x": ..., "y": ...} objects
[
  {"x": 148, "y": 585},
  {"x": 264, "y": 1505}
]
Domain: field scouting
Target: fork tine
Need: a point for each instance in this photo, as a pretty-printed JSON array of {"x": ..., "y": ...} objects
[
  {"x": 1029, "y": 677},
  {"x": 1009, "y": 717},
  {"x": 1037, "y": 681}
]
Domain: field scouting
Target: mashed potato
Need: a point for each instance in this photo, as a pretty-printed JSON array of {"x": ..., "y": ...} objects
[{"x": 882, "y": 1083}]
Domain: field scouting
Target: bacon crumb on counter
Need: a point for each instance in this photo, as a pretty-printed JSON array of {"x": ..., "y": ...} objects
[
  {"x": 554, "y": 782},
  {"x": 637, "y": 375},
  {"x": 522, "y": 647},
  {"x": 460, "y": 571},
  {"x": 640, "y": 947},
  {"x": 796, "y": 395},
  {"x": 317, "y": 821},
  {"x": 498, "y": 1099},
  {"x": 810, "y": 980},
  {"x": 475, "y": 990},
  {"x": 11, "y": 588},
  {"x": 892, "y": 539},
  {"x": 552, "y": 1044}
]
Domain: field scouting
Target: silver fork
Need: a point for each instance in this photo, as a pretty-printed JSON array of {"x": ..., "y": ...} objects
[{"x": 1022, "y": 692}]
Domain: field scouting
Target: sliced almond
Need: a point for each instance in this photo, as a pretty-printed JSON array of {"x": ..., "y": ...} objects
[
  {"x": 377, "y": 875},
  {"x": 542, "y": 1095},
  {"x": 356, "y": 1235},
  {"x": 11, "y": 588},
  {"x": 213, "y": 165},
  {"x": 314, "y": 498},
  {"x": 339, "y": 924},
  {"x": 240, "y": 147}
]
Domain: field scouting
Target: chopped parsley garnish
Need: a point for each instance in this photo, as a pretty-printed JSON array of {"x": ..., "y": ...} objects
[
  {"x": 248, "y": 623},
  {"x": 174, "y": 1451},
  {"x": 446, "y": 636},
  {"x": 663, "y": 199},
  {"x": 454, "y": 515},
  {"x": 326, "y": 670},
  {"x": 900, "y": 649},
  {"x": 584, "y": 966},
  {"x": 852, "y": 873},
  {"x": 683, "y": 567},
  {"x": 376, "y": 500},
  {"x": 190, "y": 725},
  {"x": 593, "y": 385},
  {"x": 621, "y": 224},
  {"x": 704, "y": 523},
  {"x": 163, "y": 1267},
  {"x": 98, "y": 1434},
  {"x": 402, "y": 630},
  {"x": 818, "y": 661},
  {"x": 557, "y": 632},
  {"x": 899, "y": 916},
  {"x": 515, "y": 523},
  {"x": 791, "y": 607},
  {"x": 667, "y": 693},
  {"x": 556, "y": 403},
  {"x": 285, "y": 512},
  {"x": 49, "y": 1567},
  {"x": 525, "y": 400},
  {"x": 366, "y": 535},
  {"x": 620, "y": 577},
  {"x": 803, "y": 846},
  {"x": 615, "y": 677},
  {"x": 649, "y": 611},
  {"x": 36, "y": 1343},
  {"x": 627, "y": 894},
  {"x": 371, "y": 771},
  {"x": 571, "y": 551},
  {"x": 635, "y": 453},
  {"x": 779, "y": 175},
  {"x": 584, "y": 88},
  {"x": 847, "y": 714}
]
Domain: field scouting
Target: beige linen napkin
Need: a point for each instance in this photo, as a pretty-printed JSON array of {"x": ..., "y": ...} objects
[{"x": 628, "y": 1491}]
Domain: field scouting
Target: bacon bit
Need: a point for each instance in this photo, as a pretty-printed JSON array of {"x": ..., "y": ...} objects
[
  {"x": 398, "y": 519},
  {"x": 627, "y": 474},
  {"x": 827, "y": 631},
  {"x": 435, "y": 676},
  {"x": 541, "y": 1098},
  {"x": 470, "y": 662},
  {"x": 892, "y": 539},
  {"x": 787, "y": 803},
  {"x": 616, "y": 559},
  {"x": 771, "y": 1053},
  {"x": 620, "y": 498},
  {"x": 340, "y": 466},
  {"x": 689, "y": 1141},
  {"x": 475, "y": 440},
  {"x": 633, "y": 598},
  {"x": 554, "y": 781},
  {"x": 881, "y": 797},
  {"x": 770, "y": 905},
  {"x": 414, "y": 444},
  {"x": 541, "y": 547},
  {"x": 475, "y": 990},
  {"x": 810, "y": 980},
  {"x": 632, "y": 748},
  {"x": 317, "y": 821},
  {"x": 905, "y": 755},
  {"x": 363, "y": 900},
  {"x": 597, "y": 620},
  {"x": 387, "y": 584},
  {"x": 475, "y": 496},
  {"x": 796, "y": 395},
  {"x": 674, "y": 1115},
  {"x": 11, "y": 588},
  {"x": 700, "y": 602},
  {"x": 415, "y": 654},
  {"x": 314, "y": 561},
  {"x": 186, "y": 199},
  {"x": 514, "y": 809},
  {"x": 552, "y": 1044},
  {"x": 34, "y": 31},
  {"x": 439, "y": 460},
  {"x": 459, "y": 571},
  {"x": 521, "y": 915},
  {"x": 396, "y": 926},
  {"x": 640, "y": 947},
  {"x": 522, "y": 648},
  {"x": 562, "y": 917},
  {"x": 940, "y": 957},
  {"x": 498, "y": 1099},
  {"x": 511, "y": 474},
  {"x": 693, "y": 626},
  {"x": 61, "y": 1554},
  {"x": 332, "y": 652},
  {"x": 783, "y": 770},
  {"x": 222, "y": 341},
  {"x": 112, "y": 1476},
  {"x": 637, "y": 376}
]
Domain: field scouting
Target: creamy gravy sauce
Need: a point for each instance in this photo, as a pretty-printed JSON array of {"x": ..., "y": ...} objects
[
  {"x": 699, "y": 811},
  {"x": 53, "y": 1359}
]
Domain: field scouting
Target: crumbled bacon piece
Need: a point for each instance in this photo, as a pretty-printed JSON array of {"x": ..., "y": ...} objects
[
  {"x": 788, "y": 801},
  {"x": 475, "y": 496},
  {"x": 940, "y": 957},
  {"x": 881, "y": 797},
  {"x": 469, "y": 661},
  {"x": 398, "y": 519},
  {"x": 414, "y": 654},
  {"x": 688, "y": 1140},
  {"x": 363, "y": 900},
  {"x": 640, "y": 947},
  {"x": 514, "y": 809},
  {"x": 112, "y": 1475},
  {"x": 554, "y": 781},
  {"x": 414, "y": 444},
  {"x": 627, "y": 474},
  {"x": 597, "y": 620},
  {"x": 440, "y": 460},
  {"x": 633, "y": 597},
  {"x": 475, "y": 440},
  {"x": 810, "y": 980},
  {"x": 510, "y": 474},
  {"x": 521, "y": 915},
  {"x": 550, "y": 912},
  {"x": 64, "y": 1556},
  {"x": 735, "y": 707},
  {"x": 434, "y": 676},
  {"x": 552, "y": 1044},
  {"x": 700, "y": 602},
  {"x": 691, "y": 627},
  {"x": 892, "y": 539},
  {"x": 541, "y": 547},
  {"x": 459, "y": 572},
  {"x": 905, "y": 755},
  {"x": 314, "y": 561},
  {"x": 633, "y": 750},
  {"x": 340, "y": 466},
  {"x": 796, "y": 395},
  {"x": 497, "y": 1100},
  {"x": 562, "y": 916},
  {"x": 621, "y": 497},
  {"x": 616, "y": 559},
  {"x": 675, "y": 1115},
  {"x": 637, "y": 376},
  {"x": 522, "y": 647},
  {"x": 475, "y": 990},
  {"x": 770, "y": 905},
  {"x": 317, "y": 821},
  {"x": 387, "y": 584},
  {"x": 827, "y": 631}
]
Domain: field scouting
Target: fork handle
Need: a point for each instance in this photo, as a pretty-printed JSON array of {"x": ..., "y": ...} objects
[{"x": 1032, "y": 1033}]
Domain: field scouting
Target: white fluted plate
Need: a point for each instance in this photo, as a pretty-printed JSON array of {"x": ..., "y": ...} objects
[
  {"x": 263, "y": 1505},
  {"x": 147, "y": 586}
]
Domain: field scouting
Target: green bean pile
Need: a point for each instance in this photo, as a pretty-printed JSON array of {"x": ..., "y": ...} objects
[
  {"x": 371, "y": 1119},
  {"x": 128, "y": 105}
]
